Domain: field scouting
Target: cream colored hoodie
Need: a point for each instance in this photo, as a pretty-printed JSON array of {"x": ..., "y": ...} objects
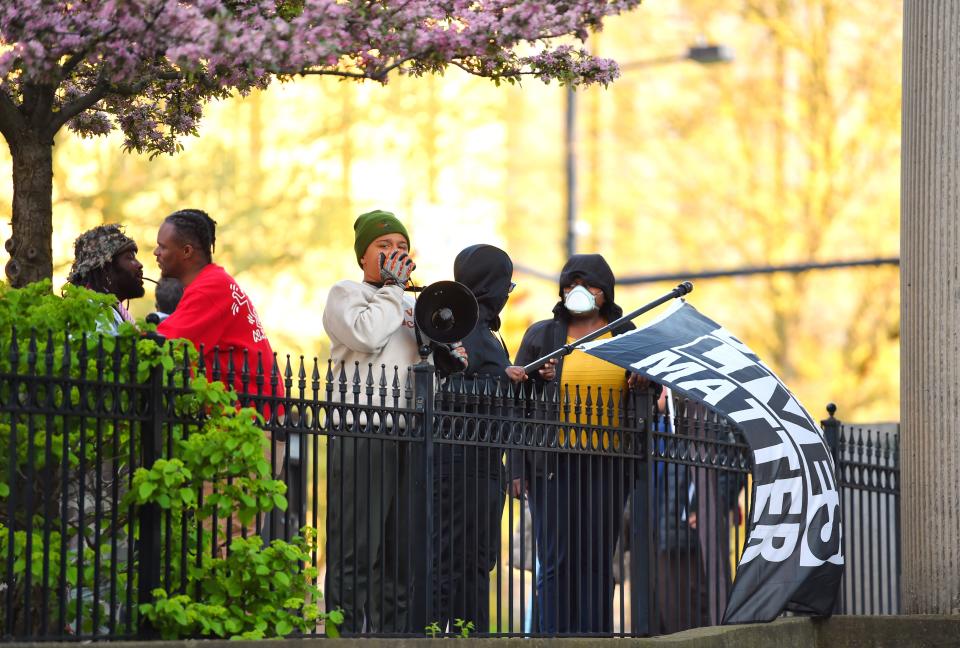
[{"x": 370, "y": 325}]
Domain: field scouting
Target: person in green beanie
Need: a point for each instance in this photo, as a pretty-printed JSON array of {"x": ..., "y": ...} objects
[
  {"x": 376, "y": 224},
  {"x": 370, "y": 325}
]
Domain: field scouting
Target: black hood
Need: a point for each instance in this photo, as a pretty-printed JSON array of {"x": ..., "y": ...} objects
[
  {"x": 594, "y": 270},
  {"x": 487, "y": 271}
]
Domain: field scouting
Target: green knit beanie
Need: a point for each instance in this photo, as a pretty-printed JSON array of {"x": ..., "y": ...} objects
[{"x": 371, "y": 226}]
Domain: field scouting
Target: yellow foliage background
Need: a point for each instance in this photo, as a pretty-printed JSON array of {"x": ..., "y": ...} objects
[{"x": 789, "y": 154}]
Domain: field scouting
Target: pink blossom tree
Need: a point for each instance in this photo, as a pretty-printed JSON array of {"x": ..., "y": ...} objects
[{"x": 147, "y": 67}]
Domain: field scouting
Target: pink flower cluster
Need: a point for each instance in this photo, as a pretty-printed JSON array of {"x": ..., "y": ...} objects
[{"x": 148, "y": 66}]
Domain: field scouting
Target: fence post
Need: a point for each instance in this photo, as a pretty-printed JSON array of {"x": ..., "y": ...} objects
[
  {"x": 831, "y": 434},
  {"x": 148, "y": 545},
  {"x": 421, "y": 492},
  {"x": 642, "y": 527}
]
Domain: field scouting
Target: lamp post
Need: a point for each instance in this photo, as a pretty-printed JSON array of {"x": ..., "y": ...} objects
[{"x": 703, "y": 54}]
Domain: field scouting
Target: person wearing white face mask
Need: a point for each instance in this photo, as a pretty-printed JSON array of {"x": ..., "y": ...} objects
[{"x": 575, "y": 499}]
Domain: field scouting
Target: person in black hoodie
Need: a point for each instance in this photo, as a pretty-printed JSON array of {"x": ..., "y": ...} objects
[
  {"x": 469, "y": 481},
  {"x": 576, "y": 497}
]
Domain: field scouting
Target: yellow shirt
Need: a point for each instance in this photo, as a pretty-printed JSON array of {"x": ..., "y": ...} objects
[{"x": 598, "y": 377}]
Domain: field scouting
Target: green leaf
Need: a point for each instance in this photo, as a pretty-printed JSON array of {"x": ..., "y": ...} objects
[
  {"x": 146, "y": 490},
  {"x": 188, "y": 497},
  {"x": 283, "y": 628},
  {"x": 233, "y": 588}
]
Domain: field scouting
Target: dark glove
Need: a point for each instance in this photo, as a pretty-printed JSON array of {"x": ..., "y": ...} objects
[{"x": 396, "y": 267}]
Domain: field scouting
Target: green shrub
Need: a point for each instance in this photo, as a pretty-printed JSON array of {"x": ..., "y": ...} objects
[{"x": 253, "y": 591}]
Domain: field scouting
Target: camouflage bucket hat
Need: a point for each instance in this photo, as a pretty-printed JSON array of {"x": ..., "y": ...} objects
[{"x": 96, "y": 248}]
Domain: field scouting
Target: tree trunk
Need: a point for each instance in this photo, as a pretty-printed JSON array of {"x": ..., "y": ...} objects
[
  {"x": 930, "y": 308},
  {"x": 31, "y": 254}
]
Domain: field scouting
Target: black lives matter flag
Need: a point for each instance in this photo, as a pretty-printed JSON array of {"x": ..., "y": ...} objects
[{"x": 793, "y": 556}]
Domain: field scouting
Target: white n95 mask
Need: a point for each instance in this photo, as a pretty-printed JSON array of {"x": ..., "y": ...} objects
[{"x": 580, "y": 300}]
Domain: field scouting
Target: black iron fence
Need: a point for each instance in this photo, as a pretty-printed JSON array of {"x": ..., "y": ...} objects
[
  {"x": 462, "y": 506},
  {"x": 868, "y": 466}
]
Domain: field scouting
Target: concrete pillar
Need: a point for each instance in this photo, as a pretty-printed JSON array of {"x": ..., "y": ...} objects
[{"x": 930, "y": 307}]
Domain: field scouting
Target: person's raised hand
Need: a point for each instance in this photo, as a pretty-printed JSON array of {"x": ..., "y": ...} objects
[
  {"x": 636, "y": 381},
  {"x": 549, "y": 370},
  {"x": 396, "y": 267}
]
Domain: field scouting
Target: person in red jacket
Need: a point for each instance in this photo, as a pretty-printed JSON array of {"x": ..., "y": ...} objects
[
  {"x": 218, "y": 317},
  {"x": 214, "y": 312}
]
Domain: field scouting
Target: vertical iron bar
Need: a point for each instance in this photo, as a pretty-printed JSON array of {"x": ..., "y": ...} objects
[
  {"x": 65, "y": 475},
  {"x": 12, "y": 481},
  {"x": 97, "y": 466},
  {"x": 421, "y": 478},
  {"x": 149, "y": 516},
  {"x": 30, "y": 477},
  {"x": 643, "y": 520},
  {"x": 861, "y": 540},
  {"x": 831, "y": 434},
  {"x": 49, "y": 511},
  {"x": 896, "y": 516},
  {"x": 872, "y": 497}
]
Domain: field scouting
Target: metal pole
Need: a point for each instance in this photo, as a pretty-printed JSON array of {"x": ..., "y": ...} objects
[
  {"x": 681, "y": 290},
  {"x": 570, "y": 161},
  {"x": 703, "y": 53}
]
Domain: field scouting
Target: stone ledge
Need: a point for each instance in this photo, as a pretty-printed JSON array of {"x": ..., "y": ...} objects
[
  {"x": 913, "y": 631},
  {"x": 920, "y": 631}
]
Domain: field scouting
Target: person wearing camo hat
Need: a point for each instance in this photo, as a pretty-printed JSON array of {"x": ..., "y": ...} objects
[{"x": 105, "y": 260}]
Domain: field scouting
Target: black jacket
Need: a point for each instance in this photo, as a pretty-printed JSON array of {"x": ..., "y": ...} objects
[
  {"x": 548, "y": 335},
  {"x": 487, "y": 272}
]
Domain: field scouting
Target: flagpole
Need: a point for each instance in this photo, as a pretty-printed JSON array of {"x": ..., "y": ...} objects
[{"x": 683, "y": 289}]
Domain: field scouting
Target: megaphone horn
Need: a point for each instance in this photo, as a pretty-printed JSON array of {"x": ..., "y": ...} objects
[{"x": 446, "y": 311}]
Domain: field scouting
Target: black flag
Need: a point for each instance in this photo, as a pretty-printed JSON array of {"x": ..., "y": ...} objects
[{"x": 793, "y": 557}]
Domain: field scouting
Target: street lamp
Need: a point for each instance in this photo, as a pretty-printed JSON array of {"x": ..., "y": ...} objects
[{"x": 701, "y": 53}]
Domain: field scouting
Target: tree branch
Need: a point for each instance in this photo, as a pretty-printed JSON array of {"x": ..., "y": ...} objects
[
  {"x": 100, "y": 90},
  {"x": 378, "y": 75},
  {"x": 11, "y": 121},
  {"x": 71, "y": 63},
  {"x": 516, "y": 74},
  {"x": 43, "y": 107},
  {"x": 340, "y": 73},
  {"x": 77, "y": 106}
]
